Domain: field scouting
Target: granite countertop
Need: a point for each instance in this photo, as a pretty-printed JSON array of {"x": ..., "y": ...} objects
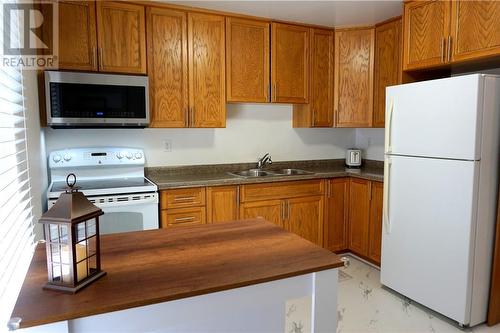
[{"x": 213, "y": 175}]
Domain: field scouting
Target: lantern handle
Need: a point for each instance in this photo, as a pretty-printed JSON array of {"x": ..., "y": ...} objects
[{"x": 71, "y": 184}]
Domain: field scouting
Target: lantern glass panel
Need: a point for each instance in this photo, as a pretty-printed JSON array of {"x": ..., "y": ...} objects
[
  {"x": 54, "y": 232},
  {"x": 91, "y": 230},
  {"x": 56, "y": 272},
  {"x": 91, "y": 245},
  {"x": 81, "y": 270},
  {"x": 92, "y": 264},
  {"x": 66, "y": 276},
  {"x": 81, "y": 250},
  {"x": 55, "y": 253},
  {"x": 80, "y": 231},
  {"x": 65, "y": 254},
  {"x": 63, "y": 232}
]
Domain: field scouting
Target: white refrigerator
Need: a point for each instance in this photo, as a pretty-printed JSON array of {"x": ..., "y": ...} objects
[{"x": 440, "y": 193}]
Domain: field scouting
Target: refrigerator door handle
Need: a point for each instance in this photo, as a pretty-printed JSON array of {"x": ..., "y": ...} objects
[
  {"x": 386, "y": 197},
  {"x": 388, "y": 130}
]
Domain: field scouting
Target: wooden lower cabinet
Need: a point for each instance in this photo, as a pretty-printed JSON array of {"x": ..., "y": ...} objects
[
  {"x": 183, "y": 217},
  {"x": 359, "y": 215},
  {"x": 269, "y": 210},
  {"x": 304, "y": 217},
  {"x": 375, "y": 229},
  {"x": 365, "y": 218},
  {"x": 336, "y": 214},
  {"x": 222, "y": 203}
]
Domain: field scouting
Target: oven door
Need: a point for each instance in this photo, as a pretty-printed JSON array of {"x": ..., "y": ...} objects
[{"x": 131, "y": 212}]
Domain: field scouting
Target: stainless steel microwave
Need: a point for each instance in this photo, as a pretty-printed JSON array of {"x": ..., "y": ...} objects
[{"x": 96, "y": 100}]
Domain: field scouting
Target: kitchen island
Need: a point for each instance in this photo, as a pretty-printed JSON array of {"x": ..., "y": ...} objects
[{"x": 241, "y": 276}]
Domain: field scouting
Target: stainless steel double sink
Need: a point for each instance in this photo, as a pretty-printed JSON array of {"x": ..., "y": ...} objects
[{"x": 254, "y": 173}]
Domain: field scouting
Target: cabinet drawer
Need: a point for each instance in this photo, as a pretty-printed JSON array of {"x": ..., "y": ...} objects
[
  {"x": 281, "y": 190},
  {"x": 182, "y": 216},
  {"x": 183, "y": 197}
]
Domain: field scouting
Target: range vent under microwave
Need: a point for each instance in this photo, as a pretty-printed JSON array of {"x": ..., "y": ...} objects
[{"x": 91, "y": 100}]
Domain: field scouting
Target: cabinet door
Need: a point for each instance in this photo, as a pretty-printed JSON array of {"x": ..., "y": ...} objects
[
  {"x": 354, "y": 53},
  {"x": 222, "y": 203},
  {"x": 77, "y": 35},
  {"x": 206, "y": 48},
  {"x": 426, "y": 27},
  {"x": 168, "y": 67},
  {"x": 375, "y": 232},
  {"x": 290, "y": 63},
  {"x": 387, "y": 66},
  {"x": 247, "y": 60},
  {"x": 304, "y": 217},
  {"x": 359, "y": 215},
  {"x": 269, "y": 210},
  {"x": 475, "y": 29},
  {"x": 336, "y": 214},
  {"x": 319, "y": 111},
  {"x": 121, "y": 37}
]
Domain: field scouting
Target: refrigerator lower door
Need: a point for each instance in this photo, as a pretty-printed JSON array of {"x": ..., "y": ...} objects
[
  {"x": 428, "y": 232},
  {"x": 439, "y": 118}
]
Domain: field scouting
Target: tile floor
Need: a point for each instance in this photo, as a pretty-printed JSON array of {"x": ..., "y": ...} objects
[{"x": 364, "y": 306}]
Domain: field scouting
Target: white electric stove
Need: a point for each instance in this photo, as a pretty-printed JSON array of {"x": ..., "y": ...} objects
[{"x": 111, "y": 178}]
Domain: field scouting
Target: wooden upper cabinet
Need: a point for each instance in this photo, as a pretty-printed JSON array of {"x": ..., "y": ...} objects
[
  {"x": 77, "y": 35},
  {"x": 121, "y": 37},
  {"x": 247, "y": 60},
  {"x": 475, "y": 29},
  {"x": 168, "y": 67},
  {"x": 336, "y": 214},
  {"x": 375, "y": 230},
  {"x": 290, "y": 63},
  {"x": 305, "y": 218},
  {"x": 387, "y": 65},
  {"x": 319, "y": 111},
  {"x": 222, "y": 203},
  {"x": 207, "y": 88},
  {"x": 354, "y": 57},
  {"x": 359, "y": 215},
  {"x": 426, "y": 28}
]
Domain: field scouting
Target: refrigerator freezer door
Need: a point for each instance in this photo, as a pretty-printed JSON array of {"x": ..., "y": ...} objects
[
  {"x": 427, "y": 240},
  {"x": 438, "y": 118}
]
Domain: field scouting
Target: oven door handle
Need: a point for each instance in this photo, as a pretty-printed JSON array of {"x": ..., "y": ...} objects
[{"x": 153, "y": 200}]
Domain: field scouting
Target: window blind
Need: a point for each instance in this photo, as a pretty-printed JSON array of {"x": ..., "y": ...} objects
[{"x": 16, "y": 219}]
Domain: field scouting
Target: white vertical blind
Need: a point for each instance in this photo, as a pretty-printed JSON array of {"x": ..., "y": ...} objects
[{"x": 16, "y": 219}]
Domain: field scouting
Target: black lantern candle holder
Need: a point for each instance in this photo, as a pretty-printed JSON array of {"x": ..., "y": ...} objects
[{"x": 72, "y": 241}]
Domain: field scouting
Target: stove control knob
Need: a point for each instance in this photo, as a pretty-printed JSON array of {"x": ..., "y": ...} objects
[
  {"x": 67, "y": 157},
  {"x": 129, "y": 155},
  {"x": 138, "y": 156},
  {"x": 56, "y": 158},
  {"x": 119, "y": 155}
]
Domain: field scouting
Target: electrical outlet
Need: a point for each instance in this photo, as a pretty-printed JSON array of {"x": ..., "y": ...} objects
[{"x": 167, "y": 146}]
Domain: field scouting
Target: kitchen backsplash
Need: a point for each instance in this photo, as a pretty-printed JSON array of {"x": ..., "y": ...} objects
[{"x": 252, "y": 130}]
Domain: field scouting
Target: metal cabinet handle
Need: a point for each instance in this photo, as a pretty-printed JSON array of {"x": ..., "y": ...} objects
[
  {"x": 443, "y": 42},
  {"x": 101, "y": 62},
  {"x": 449, "y": 48},
  {"x": 184, "y": 219},
  {"x": 184, "y": 198},
  {"x": 93, "y": 60},
  {"x": 237, "y": 197}
]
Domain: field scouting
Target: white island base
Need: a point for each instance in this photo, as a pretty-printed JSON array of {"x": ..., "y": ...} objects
[{"x": 301, "y": 304}]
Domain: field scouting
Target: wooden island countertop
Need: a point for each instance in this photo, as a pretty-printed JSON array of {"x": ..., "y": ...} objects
[{"x": 154, "y": 266}]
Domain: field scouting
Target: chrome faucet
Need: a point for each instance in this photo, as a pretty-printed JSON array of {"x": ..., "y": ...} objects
[{"x": 264, "y": 160}]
